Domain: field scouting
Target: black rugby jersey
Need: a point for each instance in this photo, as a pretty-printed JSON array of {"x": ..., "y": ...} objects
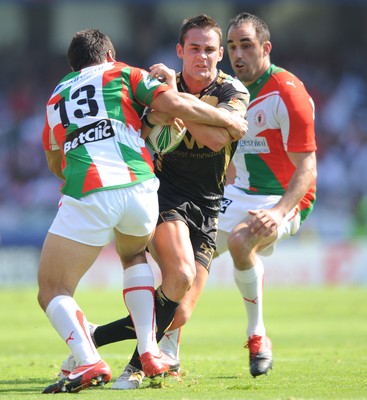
[{"x": 193, "y": 172}]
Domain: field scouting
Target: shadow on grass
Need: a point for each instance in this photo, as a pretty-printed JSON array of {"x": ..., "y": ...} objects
[
  {"x": 23, "y": 385},
  {"x": 30, "y": 386}
]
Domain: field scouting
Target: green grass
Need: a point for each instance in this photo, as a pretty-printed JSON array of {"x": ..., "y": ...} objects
[{"x": 319, "y": 347}]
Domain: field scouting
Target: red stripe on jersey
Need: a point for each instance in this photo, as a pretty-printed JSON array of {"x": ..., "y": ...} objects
[
  {"x": 55, "y": 99},
  {"x": 277, "y": 161},
  {"x": 300, "y": 110},
  {"x": 92, "y": 180},
  {"x": 46, "y": 136},
  {"x": 147, "y": 158},
  {"x": 131, "y": 117},
  {"x": 60, "y": 135},
  {"x": 132, "y": 175},
  {"x": 112, "y": 74}
]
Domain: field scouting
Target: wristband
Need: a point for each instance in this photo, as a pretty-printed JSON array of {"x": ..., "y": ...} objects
[{"x": 145, "y": 119}]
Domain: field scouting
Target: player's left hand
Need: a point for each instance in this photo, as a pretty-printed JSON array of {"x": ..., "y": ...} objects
[
  {"x": 164, "y": 74},
  {"x": 264, "y": 222}
]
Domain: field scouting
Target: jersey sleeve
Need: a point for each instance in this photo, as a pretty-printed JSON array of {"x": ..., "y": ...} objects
[
  {"x": 144, "y": 88},
  {"x": 297, "y": 117}
]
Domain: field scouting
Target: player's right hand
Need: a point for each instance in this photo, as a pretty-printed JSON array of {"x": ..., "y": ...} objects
[{"x": 239, "y": 125}]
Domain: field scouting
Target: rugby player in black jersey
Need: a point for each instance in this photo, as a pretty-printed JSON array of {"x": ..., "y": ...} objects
[{"x": 192, "y": 179}]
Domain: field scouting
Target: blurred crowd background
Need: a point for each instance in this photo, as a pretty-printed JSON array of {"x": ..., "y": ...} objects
[{"x": 323, "y": 42}]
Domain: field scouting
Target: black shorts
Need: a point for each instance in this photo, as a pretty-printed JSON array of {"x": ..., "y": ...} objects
[{"x": 203, "y": 229}]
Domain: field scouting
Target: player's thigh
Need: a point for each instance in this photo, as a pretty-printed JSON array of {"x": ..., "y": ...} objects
[
  {"x": 137, "y": 222},
  {"x": 63, "y": 262},
  {"x": 131, "y": 249},
  {"x": 172, "y": 249}
]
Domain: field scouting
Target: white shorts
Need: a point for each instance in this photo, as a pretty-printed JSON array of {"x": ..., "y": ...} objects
[
  {"x": 91, "y": 220},
  {"x": 237, "y": 202}
]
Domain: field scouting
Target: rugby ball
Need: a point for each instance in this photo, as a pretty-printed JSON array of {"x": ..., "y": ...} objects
[{"x": 164, "y": 138}]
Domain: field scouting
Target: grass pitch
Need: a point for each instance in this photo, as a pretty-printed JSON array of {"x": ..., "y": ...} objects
[{"x": 319, "y": 347}]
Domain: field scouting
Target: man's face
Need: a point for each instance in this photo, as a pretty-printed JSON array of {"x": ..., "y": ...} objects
[
  {"x": 200, "y": 55},
  {"x": 248, "y": 57}
]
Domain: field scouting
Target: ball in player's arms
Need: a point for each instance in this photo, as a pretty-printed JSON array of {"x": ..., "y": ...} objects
[{"x": 165, "y": 138}]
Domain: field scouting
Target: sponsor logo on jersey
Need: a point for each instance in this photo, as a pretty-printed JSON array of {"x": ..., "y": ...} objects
[
  {"x": 79, "y": 77},
  {"x": 256, "y": 145},
  {"x": 291, "y": 83},
  {"x": 99, "y": 130}
]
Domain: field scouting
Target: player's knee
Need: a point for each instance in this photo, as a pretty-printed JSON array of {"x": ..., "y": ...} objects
[
  {"x": 187, "y": 278},
  {"x": 177, "y": 282},
  {"x": 238, "y": 242}
]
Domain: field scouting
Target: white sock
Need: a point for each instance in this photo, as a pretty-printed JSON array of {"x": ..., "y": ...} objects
[
  {"x": 250, "y": 284},
  {"x": 139, "y": 299},
  {"x": 71, "y": 324},
  {"x": 170, "y": 343}
]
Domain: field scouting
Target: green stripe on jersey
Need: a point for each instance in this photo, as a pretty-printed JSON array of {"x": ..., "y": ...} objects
[
  {"x": 305, "y": 212},
  {"x": 126, "y": 78},
  {"x": 81, "y": 159},
  {"x": 264, "y": 174},
  {"x": 255, "y": 87},
  {"x": 136, "y": 163},
  {"x": 113, "y": 108}
]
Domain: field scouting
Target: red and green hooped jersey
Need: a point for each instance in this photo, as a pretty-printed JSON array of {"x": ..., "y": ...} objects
[
  {"x": 281, "y": 120},
  {"x": 93, "y": 118}
]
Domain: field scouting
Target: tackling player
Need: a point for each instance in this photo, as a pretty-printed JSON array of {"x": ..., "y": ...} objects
[
  {"x": 192, "y": 179},
  {"x": 92, "y": 142}
]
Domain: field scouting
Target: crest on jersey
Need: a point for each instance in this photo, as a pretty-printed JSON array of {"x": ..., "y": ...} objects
[{"x": 260, "y": 119}]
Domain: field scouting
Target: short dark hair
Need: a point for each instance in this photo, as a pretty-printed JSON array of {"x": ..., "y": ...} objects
[
  {"x": 89, "y": 47},
  {"x": 202, "y": 21},
  {"x": 262, "y": 29}
]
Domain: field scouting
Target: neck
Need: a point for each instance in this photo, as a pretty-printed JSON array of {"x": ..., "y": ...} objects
[
  {"x": 264, "y": 68},
  {"x": 195, "y": 86}
]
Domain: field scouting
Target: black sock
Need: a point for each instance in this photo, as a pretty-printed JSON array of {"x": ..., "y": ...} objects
[
  {"x": 165, "y": 312},
  {"x": 116, "y": 331}
]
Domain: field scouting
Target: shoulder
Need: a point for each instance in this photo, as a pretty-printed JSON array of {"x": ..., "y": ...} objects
[
  {"x": 286, "y": 82},
  {"x": 226, "y": 79},
  {"x": 233, "y": 85},
  {"x": 129, "y": 69}
]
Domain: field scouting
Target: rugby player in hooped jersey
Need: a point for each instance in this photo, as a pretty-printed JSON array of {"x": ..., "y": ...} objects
[
  {"x": 275, "y": 174},
  {"x": 92, "y": 142}
]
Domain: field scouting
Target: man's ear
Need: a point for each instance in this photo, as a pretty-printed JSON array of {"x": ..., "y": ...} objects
[
  {"x": 267, "y": 48},
  {"x": 221, "y": 53},
  {"x": 110, "y": 56},
  {"x": 179, "y": 51}
]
